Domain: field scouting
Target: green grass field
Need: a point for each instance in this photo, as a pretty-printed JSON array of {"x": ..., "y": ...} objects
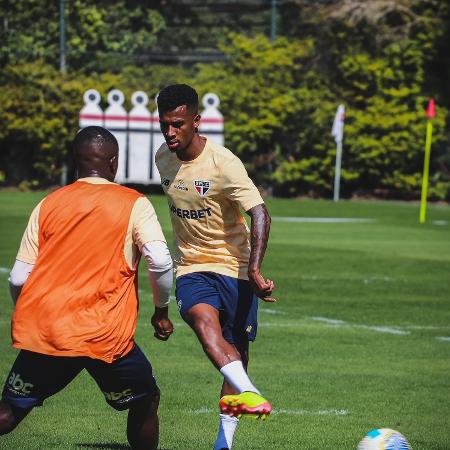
[{"x": 359, "y": 339}]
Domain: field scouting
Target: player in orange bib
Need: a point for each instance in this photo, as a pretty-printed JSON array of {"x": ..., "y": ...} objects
[
  {"x": 74, "y": 283},
  {"x": 217, "y": 260}
]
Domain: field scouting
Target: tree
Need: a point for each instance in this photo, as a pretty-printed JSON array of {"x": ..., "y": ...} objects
[
  {"x": 40, "y": 107},
  {"x": 267, "y": 95},
  {"x": 39, "y": 117},
  {"x": 382, "y": 59},
  {"x": 98, "y": 35}
]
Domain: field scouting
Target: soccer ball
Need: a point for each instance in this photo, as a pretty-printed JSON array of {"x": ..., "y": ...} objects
[{"x": 384, "y": 439}]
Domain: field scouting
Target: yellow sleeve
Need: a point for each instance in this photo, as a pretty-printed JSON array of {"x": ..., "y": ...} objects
[
  {"x": 238, "y": 186},
  {"x": 146, "y": 226},
  {"x": 29, "y": 246}
]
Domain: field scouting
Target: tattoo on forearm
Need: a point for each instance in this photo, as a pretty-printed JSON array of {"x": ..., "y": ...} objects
[{"x": 259, "y": 235}]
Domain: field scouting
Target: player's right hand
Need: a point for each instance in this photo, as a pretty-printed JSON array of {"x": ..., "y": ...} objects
[{"x": 162, "y": 324}]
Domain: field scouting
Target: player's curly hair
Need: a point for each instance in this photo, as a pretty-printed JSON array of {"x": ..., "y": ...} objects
[{"x": 176, "y": 95}]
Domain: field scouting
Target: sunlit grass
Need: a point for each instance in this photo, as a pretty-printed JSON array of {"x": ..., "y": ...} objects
[{"x": 359, "y": 338}]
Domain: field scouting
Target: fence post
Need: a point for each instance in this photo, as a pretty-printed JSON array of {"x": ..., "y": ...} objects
[
  {"x": 139, "y": 139},
  {"x": 138, "y": 133},
  {"x": 211, "y": 124},
  {"x": 157, "y": 141},
  {"x": 91, "y": 113},
  {"x": 116, "y": 121}
]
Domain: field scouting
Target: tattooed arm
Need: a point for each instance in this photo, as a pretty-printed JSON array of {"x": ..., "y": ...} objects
[{"x": 259, "y": 235}]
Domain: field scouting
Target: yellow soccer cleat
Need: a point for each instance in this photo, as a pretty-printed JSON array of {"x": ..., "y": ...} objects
[{"x": 247, "y": 404}]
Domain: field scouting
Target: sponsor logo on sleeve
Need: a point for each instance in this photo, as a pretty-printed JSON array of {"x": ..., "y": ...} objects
[
  {"x": 165, "y": 182},
  {"x": 202, "y": 187},
  {"x": 179, "y": 184}
]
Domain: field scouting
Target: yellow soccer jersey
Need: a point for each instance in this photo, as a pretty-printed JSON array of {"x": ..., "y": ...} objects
[{"x": 205, "y": 196}]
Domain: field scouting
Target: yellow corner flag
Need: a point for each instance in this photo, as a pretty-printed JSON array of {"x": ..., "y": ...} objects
[{"x": 426, "y": 163}]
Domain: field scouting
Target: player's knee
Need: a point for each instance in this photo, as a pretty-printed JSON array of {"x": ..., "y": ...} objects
[
  {"x": 148, "y": 404},
  {"x": 154, "y": 399}
]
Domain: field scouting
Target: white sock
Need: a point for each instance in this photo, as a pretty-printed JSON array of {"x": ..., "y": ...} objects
[
  {"x": 235, "y": 374},
  {"x": 227, "y": 427}
]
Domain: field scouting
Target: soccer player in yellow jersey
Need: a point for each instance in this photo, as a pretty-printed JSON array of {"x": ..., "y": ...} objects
[{"x": 217, "y": 259}]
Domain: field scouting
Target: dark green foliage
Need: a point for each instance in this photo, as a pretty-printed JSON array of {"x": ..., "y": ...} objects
[
  {"x": 270, "y": 99},
  {"x": 39, "y": 108},
  {"x": 280, "y": 113},
  {"x": 383, "y": 60},
  {"x": 100, "y": 35}
]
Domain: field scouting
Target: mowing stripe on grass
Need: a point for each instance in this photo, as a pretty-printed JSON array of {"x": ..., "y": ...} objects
[{"x": 323, "y": 220}]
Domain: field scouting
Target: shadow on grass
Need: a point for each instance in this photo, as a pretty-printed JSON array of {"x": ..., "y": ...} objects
[{"x": 107, "y": 446}]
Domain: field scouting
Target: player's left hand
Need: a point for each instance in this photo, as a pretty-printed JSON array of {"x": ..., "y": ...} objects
[
  {"x": 263, "y": 287},
  {"x": 162, "y": 324}
]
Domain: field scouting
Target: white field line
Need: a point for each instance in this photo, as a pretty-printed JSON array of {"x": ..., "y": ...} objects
[
  {"x": 322, "y": 220},
  {"x": 351, "y": 279},
  {"x": 290, "y": 412},
  {"x": 271, "y": 311},
  {"x": 177, "y": 324},
  {"x": 260, "y": 324},
  {"x": 305, "y": 412},
  {"x": 6, "y": 322},
  {"x": 279, "y": 324},
  {"x": 392, "y": 329},
  {"x": 379, "y": 329},
  {"x": 302, "y": 321},
  {"x": 440, "y": 222},
  {"x": 384, "y": 329},
  {"x": 4, "y": 270}
]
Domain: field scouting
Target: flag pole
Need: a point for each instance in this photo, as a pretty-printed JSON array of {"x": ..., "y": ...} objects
[
  {"x": 337, "y": 171},
  {"x": 426, "y": 163},
  {"x": 337, "y": 132}
]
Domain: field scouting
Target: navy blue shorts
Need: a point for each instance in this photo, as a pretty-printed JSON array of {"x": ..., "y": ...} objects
[
  {"x": 233, "y": 298},
  {"x": 35, "y": 377}
]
